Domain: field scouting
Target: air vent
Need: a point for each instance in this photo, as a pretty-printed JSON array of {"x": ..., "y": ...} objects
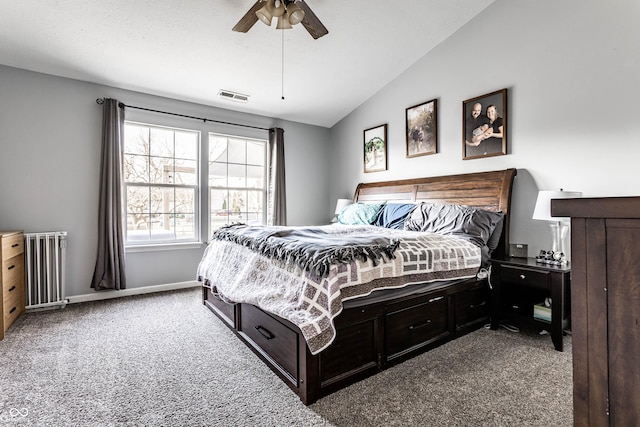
[{"x": 233, "y": 96}]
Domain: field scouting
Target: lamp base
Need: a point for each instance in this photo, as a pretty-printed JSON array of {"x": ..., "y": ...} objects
[
  {"x": 558, "y": 234},
  {"x": 557, "y": 254}
]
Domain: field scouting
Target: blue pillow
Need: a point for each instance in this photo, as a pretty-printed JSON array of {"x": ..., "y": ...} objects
[
  {"x": 360, "y": 213},
  {"x": 392, "y": 215}
]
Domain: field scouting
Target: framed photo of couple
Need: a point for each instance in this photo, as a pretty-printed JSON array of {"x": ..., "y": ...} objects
[{"x": 484, "y": 125}]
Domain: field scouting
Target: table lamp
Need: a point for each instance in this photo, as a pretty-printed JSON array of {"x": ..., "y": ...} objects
[{"x": 340, "y": 205}]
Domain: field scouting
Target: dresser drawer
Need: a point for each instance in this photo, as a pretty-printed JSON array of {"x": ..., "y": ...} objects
[
  {"x": 13, "y": 307},
  {"x": 12, "y": 288},
  {"x": 416, "y": 325},
  {"x": 523, "y": 276},
  {"x": 272, "y": 337},
  {"x": 12, "y": 245},
  {"x": 13, "y": 272}
]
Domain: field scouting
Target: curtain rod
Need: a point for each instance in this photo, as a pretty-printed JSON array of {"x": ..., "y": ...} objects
[{"x": 100, "y": 101}]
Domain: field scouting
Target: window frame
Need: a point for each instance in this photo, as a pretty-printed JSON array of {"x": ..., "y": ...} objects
[
  {"x": 166, "y": 244},
  {"x": 265, "y": 177}
]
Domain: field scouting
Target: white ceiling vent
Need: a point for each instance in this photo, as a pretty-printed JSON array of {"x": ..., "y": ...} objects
[{"x": 233, "y": 96}]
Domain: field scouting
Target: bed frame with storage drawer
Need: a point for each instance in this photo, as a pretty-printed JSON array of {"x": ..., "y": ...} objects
[{"x": 371, "y": 337}]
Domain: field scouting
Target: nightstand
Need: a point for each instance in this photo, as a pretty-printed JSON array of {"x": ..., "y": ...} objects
[{"x": 521, "y": 283}]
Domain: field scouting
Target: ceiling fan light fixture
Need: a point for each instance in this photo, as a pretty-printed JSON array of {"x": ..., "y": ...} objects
[
  {"x": 296, "y": 14},
  {"x": 264, "y": 13},
  {"x": 283, "y": 22},
  {"x": 278, "y": 8},
  {"x": 293, "y": 12}
]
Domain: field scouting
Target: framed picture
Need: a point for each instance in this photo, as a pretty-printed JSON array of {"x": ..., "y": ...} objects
[
  {"x": 422, "y": 129},
  {"x": 484, "y": 125},
  {"x": 375, "y": 149}
]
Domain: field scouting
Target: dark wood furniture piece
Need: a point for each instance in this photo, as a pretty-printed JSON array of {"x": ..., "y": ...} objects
[
  {"x": 374, "y": 336},
  {"x": 605, "y": 309},
  {"x": 520, "y": 283},
  {"x": 11, "y": 278}
]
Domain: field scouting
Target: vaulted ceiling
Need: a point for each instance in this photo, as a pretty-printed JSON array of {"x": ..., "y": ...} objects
[{"x": 186, "y": 50}]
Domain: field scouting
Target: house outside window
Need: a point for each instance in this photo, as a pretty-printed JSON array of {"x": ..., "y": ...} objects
[
  {"x": 160, "y": 174},
  {"x": 237, "y": 180}
]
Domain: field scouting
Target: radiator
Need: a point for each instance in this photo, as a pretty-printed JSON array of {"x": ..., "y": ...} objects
[{"x": 45, "y": 256}]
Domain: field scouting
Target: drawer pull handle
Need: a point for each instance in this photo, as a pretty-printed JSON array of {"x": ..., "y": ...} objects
[
  {"x": 422, "y": 325},
  {"x": 478, "y": 305},
  {"x": 12, "y": 310},
  {"x": 15, "y": 245},
  {"x": 264, "y": 332},
  {"x": 11, "y": 267},
  {"x": 436, "y": 299},
  {"x": 12, "y": 288},
  {"x": 522, "y": 276}
]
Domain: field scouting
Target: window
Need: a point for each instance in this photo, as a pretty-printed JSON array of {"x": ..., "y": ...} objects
[
  {"x": 237, "y": 180},
  {"x": 161, "y": 184}
]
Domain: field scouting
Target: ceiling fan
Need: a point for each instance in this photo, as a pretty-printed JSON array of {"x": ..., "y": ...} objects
[{"x": 288, "y": 12}]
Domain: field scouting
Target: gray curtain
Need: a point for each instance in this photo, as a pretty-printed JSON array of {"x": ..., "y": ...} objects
[
  {"x": 277, "y": 201},
  {"x": 109, "y": 270}
]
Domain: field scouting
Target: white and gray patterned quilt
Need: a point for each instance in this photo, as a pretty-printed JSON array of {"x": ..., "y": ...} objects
[{"x": 311, "y": 302}]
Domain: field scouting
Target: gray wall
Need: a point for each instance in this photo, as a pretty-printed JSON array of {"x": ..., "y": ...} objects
[
  {"x": 50, "y": 157},
  {"x": 571, "y": 68}
]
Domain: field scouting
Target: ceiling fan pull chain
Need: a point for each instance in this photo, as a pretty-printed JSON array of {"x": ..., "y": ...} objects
[{"x": 282, "y": 88}]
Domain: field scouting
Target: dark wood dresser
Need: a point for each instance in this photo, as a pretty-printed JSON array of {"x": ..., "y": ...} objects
[{"x": 605, "y": 308}]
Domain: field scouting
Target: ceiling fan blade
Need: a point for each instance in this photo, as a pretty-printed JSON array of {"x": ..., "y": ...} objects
[
  {"x": 249, "y": 18},
  {"x": 311, "y": 22}
]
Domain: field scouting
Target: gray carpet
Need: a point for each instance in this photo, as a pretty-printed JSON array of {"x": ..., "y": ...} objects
[{"x": 165, "y": 360}]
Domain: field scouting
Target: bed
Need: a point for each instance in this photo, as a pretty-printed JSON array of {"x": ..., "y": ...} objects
[{"x": 363, "y": 330}]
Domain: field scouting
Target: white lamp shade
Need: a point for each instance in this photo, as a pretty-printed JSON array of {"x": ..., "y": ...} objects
[
  {"x": 542, "y": 211},
  {"x": 278, "y": 8},
  {"x": 264, "y": 13},
  {"x": 341, "y": 204},
  {"x": 283, "y": 22},
  {"x": 264, "y": 16},
  {"x": 296, "y": 15}
]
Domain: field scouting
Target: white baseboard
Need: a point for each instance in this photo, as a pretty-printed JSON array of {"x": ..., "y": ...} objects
[{"x": 102, "y": 295}]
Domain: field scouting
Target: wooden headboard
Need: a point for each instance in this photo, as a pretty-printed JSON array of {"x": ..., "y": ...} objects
[{"x": 485, "y": 190}]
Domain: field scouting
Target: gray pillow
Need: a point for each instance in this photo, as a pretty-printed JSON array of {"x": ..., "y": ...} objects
[
  {"x": 494, "y": 240},
  {"x": 473, "y": 224}
]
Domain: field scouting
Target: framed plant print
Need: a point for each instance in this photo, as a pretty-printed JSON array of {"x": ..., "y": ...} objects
[
  {"x": 375, "y": 149},
  {"x": 484, "y": 125},
  {"x": 422, "y": 129}
]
